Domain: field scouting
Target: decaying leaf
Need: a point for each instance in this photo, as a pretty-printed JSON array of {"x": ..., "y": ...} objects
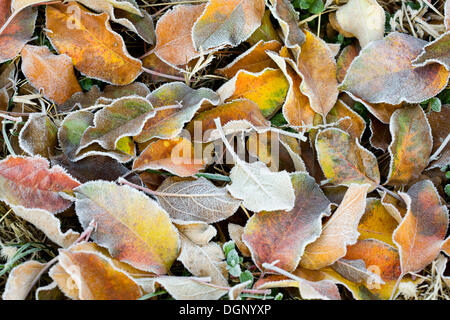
[
  {"x": 344, "y": 160},
  {"x": 347, "y": 120},
  {"x": 103, "y": 55},
  {"x": 20, "y": 280},
  {"x": 420, "y": 235},
  {"x": 372, "y": 76},
  {"x": 436, "y": 51},
  {"x": 51, "y": 73},
  {"x": 18, "y": 32},
  {"x": 133, "y": 227},
  {"x": 283, "y": 236},
  {"x": 38, "y": 136},
  {"x": 411, "y": 145},
  {"x": 29, "y": 182},
  {"x": 236, "y": 232},
  {"x": 338, "y": 232},
  {"x": 196, "y": 200},
  {"x": 227, "y": 23}
]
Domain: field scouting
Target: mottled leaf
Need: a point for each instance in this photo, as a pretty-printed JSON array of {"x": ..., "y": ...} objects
[
  {"x": 103, "y": 54},
  {"x": 133, "y": 227},
  {"x": 347, "y": 119},
  {"x": 29, "y": 182},
  {"x": 420, "y": 235},
  {"x": 283, "y": 236},
  {"x": 344, "y": 160},
  {"x": 411, "y": 145},
  {"x": 227, "y": 23},
  {"x": 373, "y": 78},
  {"x": 436, "y": 51},
  {"x": 338, "y": 232}
]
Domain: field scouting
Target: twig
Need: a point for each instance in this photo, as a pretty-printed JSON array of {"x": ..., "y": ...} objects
[
  {"x": 159, "y": 74},
  {"x": 441, "y": 147},
  {"x": 253, "y": 291}
]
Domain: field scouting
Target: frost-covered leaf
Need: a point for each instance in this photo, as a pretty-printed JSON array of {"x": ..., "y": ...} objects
[
  {"x": 283, "y": 236},
  {"x": 178, "y": 156},
  {"x": 338, "y": 232},
  {"x": 124, "y": 117},
  {"x": 196, "y": 200},
  {"x": 29, "y": 182},
  {"x": 436, "y": 51},
  {"x": 133, "y": 227},
  {"x": 96, "y": 278},
  {"x": 48, "y": 224},
  {"x": 363, "y": 18},
  {"x": 53, "y": 74},
  {"x": 353, "y": 270},
  {"x": 373, "y": 78},
  {"x": 317, "y": 68},
  {"x": 103, "y": 55},
  {"x": 411, "y": 145},
  {"x": 204, "y": 260},
  {"x": 267, "y": 89},
  {"x": 344, "y": 160},
  {"x": 236, "y": 232},
  {"x": 20, "y": 280},
  {"x": 174, "y": 44},
  {"x": 420, "y": 235},
  {"x": 18, "y": 32},
  {"x": 227, "y": 23},
  {"x": 38, "y": 136},
  {"x": 345, "y": 59},
  {"x": 347, "y": 119},
  {"x": 254, "y": 59},
  {"x": 440, "y": 129},
  {"x": 167, "y": 124}
]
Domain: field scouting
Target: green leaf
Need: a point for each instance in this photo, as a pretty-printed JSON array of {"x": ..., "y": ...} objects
[
  {"x": 316, "y": 7},
  {"x": 228, "y": 246},
  {"x": 246, "y": 276},
  {"x": 447, "y": 190},
  {"x": 233, "y": 258}
]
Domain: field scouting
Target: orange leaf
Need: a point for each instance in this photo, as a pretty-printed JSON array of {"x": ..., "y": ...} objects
[
  {"x": 96, "y": 278},
  {"x": 420, "y": 235},
  {"x": 317, "y": 68},
  {"x": 88, "y": 39},
  {"x": 177, "y": 156},
  {"x": 29, "y": 182},
  {"x": 283, "y": 236},
  {"x": 51, "y": 73},
  {"x": 347, "y": 119},
  {"x": 254, "y": 59},
  {"x": 174, "y": 43},
  {"x": 338, "y": 232}
]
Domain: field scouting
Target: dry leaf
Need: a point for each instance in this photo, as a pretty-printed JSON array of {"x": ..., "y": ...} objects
[
  {"x": 20, "y": 280},
  {"x": 38, "y": 136}
]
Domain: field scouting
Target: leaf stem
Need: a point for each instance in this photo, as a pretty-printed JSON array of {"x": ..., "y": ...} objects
[{"x": 159, "y": 74}]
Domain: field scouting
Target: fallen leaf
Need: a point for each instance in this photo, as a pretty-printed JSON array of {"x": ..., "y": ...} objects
[
  {"x": 347, "y": 120},
  {"x": 20, "y": 280},
  {"x": 196, "y": 200},
  {"x": 236, "y": 232},
  {"x": 435, "y": 51},
  {"x": 363, "y": 18},
  {"x": 380, "y": 137},
  {"x": 18, "y": 32},
  {"x": 253, "y": 60},
  {"x": 133, "y": 227},
  {"x": 373, "y": 78},
  {"x": 354, "y": 270},
  {"x": 377, "y": 222},
  {"x": 96, "y": 278},
  {"x": 345, "y": 59},
  {"x": 420, "y": 235},
  {"x": 338, "y": 232},
  {"x": 199, "y": 233},
  {"x": 38, "y": 136},
  {"x": 227, "y": 23},
  {"x": 124, "y": 117},
  {"x": 174, "y": 43},
  {"x": 283, "y": 235},
  {"x": 48, "y": 224},
  {"x": 88, "y": 39},
  {"x": 51, "y": 73},
  {"x": 440, "y": 129},
  {"x": 265, "y": 32},
  {"x": 178, "y": 156},
  {"x": 317, "y": 68},
  {"x": 267, "y": 89},
  {"x": 168, "y": 123},
  {"x": 344, "y": 161},
  {"x": 29, "y": 182},
  {"x": 411, "y": 145}
]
